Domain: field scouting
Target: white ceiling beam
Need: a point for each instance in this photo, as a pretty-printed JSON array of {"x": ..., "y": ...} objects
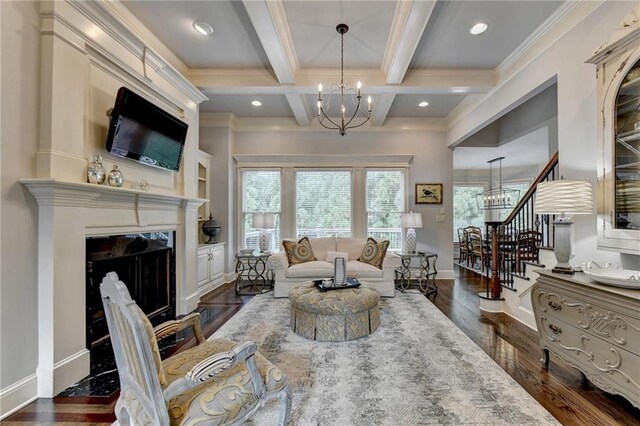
[
  {"x": 299, "y": 108},
  {"x": 425, "y": 81},
  {"x": 381, "y": 107},
  {"x": 409, "y": 22},
  {"x": 270, "y": 22}
]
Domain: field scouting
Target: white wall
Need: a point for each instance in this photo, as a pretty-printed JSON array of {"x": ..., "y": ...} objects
[
  {"x": 433, "y": 163},
  {"x": 577, "y": 100},
  {"x": 20, "y": 70}
]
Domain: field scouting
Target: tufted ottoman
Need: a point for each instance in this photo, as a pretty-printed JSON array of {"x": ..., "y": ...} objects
[{"x": 334, "y": 316}]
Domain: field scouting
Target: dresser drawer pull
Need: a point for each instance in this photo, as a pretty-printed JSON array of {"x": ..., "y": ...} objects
[
  {"x": 555, "y": 329},
  {"x": 555, "y": 306}
]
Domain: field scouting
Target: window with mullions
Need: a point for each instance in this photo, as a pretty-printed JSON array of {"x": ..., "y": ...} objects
[
  {"x": 323, "y": 203},
  {"x": 261, "y": 191},
  {"x": 385, "y": 204}
]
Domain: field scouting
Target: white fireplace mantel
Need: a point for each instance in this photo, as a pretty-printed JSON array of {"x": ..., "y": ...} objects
[{"x": 68, "y": 213}]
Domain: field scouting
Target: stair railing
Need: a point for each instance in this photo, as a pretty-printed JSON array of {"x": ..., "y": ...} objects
[{"x": 522, "y": 218}]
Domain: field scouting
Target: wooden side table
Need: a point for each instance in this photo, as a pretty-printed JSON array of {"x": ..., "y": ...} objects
[
  {"x": 422, "y": 269},
  {"x": 252, "y": 274}
]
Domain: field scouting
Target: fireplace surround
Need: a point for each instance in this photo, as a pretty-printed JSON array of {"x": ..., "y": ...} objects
[{"x": 68, "y": 214}]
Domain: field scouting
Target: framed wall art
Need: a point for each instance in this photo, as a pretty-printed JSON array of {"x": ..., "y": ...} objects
[{"x": 428, "y": 193}]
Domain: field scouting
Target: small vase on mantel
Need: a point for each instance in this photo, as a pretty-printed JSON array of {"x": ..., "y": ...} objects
[
  {"x": 96, "y": 172},
  {"x": 116, "y": 177}
]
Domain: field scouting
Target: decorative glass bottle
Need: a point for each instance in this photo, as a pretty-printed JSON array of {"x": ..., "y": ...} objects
[
  {"x": 115, "y": 177},
  {"x": 96, "y": 172}
]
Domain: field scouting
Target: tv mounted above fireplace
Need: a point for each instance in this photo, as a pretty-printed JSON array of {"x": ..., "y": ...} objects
[{"x": 141, "y": 131}]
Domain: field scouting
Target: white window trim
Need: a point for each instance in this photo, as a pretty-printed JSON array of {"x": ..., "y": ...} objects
[
  {"x": 406, "y": 201},
  {"x": 240, "y": 231}
]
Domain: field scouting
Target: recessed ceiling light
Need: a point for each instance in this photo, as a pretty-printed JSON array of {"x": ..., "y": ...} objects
[
  {"x": 203, "y": 28},
  {"x": 478, "y": 28},
  {"x": 423, "y": 104},
  {"x": 256, "y": 103}
]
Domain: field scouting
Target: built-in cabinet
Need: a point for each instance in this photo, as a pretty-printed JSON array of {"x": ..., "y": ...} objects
[
  {"x": 204, "y": 191},
  {"x": 618, "y": 76},
  {"x": 592, "y": 327},
  {"x": 210, "y": 266}
]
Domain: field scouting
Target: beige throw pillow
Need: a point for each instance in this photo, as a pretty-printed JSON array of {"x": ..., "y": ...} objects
[
  {"x": 374, "y": 252},
  {"x": 298, "y": 252}
]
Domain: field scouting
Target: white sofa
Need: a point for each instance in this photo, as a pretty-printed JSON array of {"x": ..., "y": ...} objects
[{"x": 287, "y": 277}]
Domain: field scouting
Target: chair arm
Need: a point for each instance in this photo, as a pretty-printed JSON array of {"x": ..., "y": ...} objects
[
  {"x": 169, "y": 328},
  {"x": 391, "y": 260},
  {"x": 278, "y": 261},
  {"x": 216, "y": 364}
]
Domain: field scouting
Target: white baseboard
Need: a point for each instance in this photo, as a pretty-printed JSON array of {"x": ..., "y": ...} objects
[
  {"x": 66, "y": 372},
  {"x": 229, "y": 277},
  {"x": 189, "y": 303},
  {"x": 447, "y": 274},
  {"x": 17, "y": 395}
]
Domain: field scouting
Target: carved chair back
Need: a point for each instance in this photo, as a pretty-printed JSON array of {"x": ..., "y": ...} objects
[{"x": 140, "y": 389}]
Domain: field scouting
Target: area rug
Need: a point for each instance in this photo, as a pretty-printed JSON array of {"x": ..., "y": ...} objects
[{"x": 417, "y": 368}]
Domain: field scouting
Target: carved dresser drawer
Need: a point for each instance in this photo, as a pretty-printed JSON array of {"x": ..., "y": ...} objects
[{"x": 592, "y": 327}]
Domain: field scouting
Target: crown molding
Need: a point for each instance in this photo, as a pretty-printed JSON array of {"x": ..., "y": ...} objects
[
  {"x": 566, "y": 17},
  {"x": 210, "y": 119},
  {"x": 102, "y": 14},
  {"x": 323, "y": 160}
]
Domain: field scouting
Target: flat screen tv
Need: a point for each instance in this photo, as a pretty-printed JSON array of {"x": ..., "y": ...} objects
[{"x": 143, "y": 132}]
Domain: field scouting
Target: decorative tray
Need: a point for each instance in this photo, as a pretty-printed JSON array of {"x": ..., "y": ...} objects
[
  {"x": 613, "y": 275},
  {"x": 351, "y": 283}
]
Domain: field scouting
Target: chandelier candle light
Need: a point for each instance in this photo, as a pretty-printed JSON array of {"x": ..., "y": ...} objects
[
  {"x": 344, "y": 123},
  {"x": 496, "y": 198},
  {"x": 563, "y": 197},
  {"x": 264, "y": 222},
  {"x": 410, "y": 221}
]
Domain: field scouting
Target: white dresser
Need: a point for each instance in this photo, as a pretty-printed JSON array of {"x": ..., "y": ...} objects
[{"x": 592, "y": 327}]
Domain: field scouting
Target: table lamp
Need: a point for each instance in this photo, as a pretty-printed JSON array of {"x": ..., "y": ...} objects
[
  {"x": 563, "y": 197},
  {"x": 411, "y": 221},
  {"x": 263, "y": 222}
]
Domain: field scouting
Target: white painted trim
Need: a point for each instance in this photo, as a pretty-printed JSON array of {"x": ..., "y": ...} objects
[
  {"x": 102, "y": 14},
  {"x": 213, "y": 119},
  {"x": 18, "y": 395},
  {"x": 492, "y": 306},
  {"x": 447, "y": 274},
  {"x": 349, "y": 161},
  {"x": 556, "y": 18},
  {"x": 572, "y": 13},
  {"x": 229, "y": 277},
  {"x": 409, "y": 22},
  {"x": 189, "y": 303},
  {"x": 72, "y": 369}
]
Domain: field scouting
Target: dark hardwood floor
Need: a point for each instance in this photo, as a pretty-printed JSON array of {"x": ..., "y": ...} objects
[{"x": 562, "y": 390}]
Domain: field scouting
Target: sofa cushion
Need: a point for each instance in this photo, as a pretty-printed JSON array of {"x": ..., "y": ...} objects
[
  {"x": 353, "y": 246},
  {"x": 321, "y": 246},
  {"x": 358, "y": 269},
  {"x": 298, "y": 252},
  {"x": 314, "y": 269},
  {"x": 374, "y": 252},
  {"x": 332, "y": 255}
]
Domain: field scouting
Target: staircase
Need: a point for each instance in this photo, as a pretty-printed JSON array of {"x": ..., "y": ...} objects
[{"x": 517, "y": 277}]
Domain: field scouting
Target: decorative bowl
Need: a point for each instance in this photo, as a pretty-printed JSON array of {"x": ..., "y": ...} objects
[
  {"x": 612, "y": 275},
  {"x": 246, "y": 251}
]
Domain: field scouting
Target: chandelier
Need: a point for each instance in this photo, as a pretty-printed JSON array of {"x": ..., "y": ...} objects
[
  {"x": 496, "y": 198},
  {"x": 345, "y": 121}
]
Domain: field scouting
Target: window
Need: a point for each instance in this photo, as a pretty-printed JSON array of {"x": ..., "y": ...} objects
[
  {"x": 385, "y": 204},
  {"x": 465, "y": 209},
  {"x": 260, "y": 193},
  {"x": 323, "y": 203}
]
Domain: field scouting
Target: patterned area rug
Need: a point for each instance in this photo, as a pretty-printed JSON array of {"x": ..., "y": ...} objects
[{"x": 418, "y": 368}]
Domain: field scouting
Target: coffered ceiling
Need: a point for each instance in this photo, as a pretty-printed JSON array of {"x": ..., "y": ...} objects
[{"x": 404, "y": 52}]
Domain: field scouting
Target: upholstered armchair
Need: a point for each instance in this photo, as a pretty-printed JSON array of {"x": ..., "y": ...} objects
[{"x": 218, "y": 382}]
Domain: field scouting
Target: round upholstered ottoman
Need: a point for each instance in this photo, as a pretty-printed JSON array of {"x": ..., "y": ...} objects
[{"x": 336, "y": 315}]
